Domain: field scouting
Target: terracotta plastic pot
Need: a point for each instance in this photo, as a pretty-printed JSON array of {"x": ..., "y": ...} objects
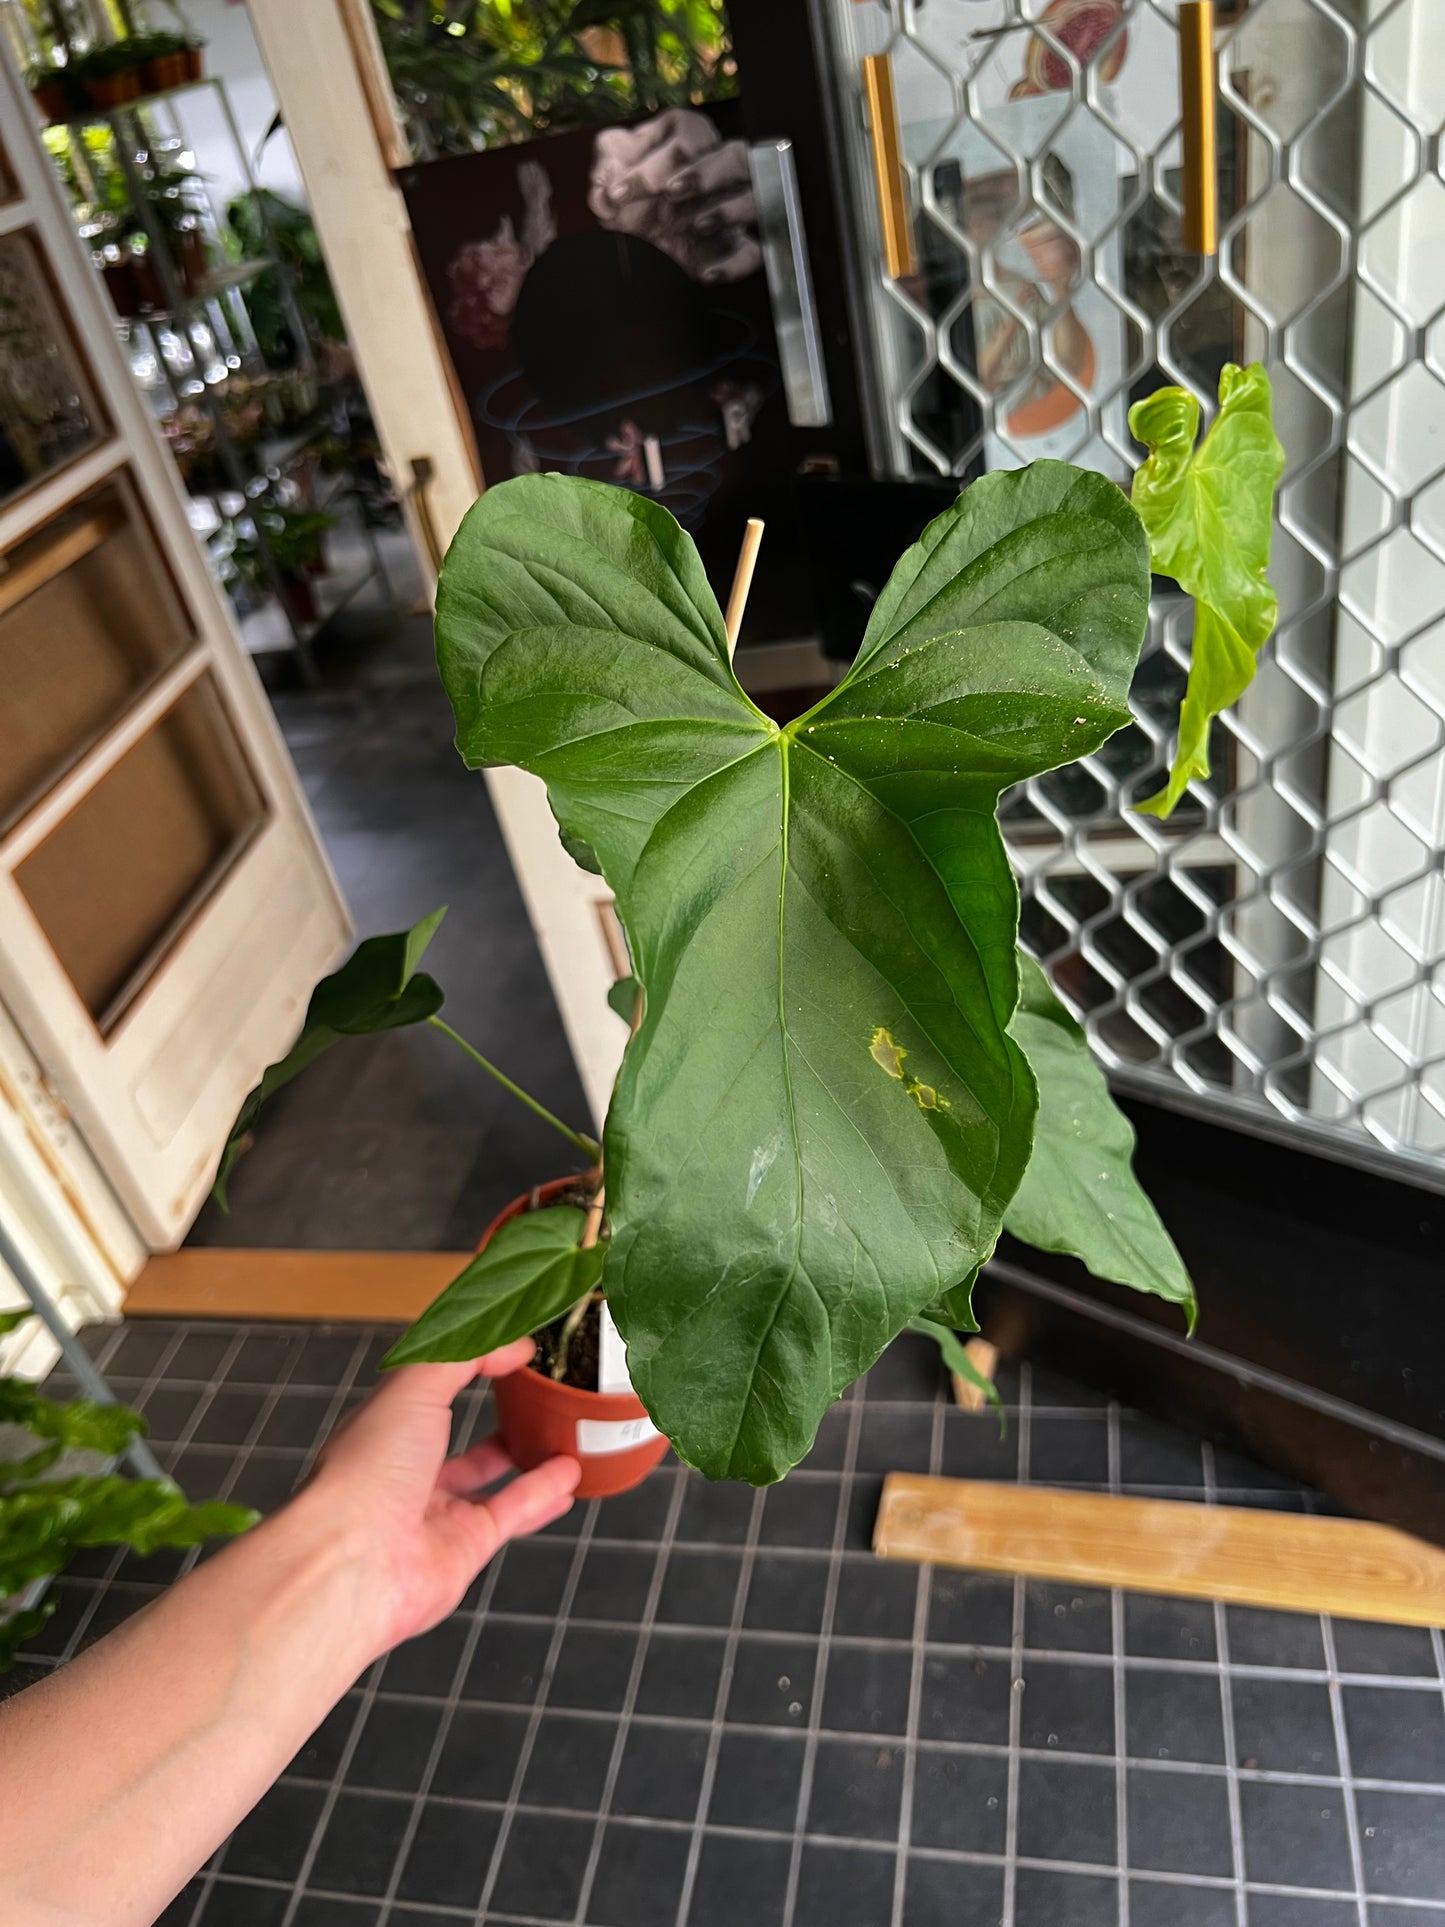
[
  {"x": 165, "y": 72},
  {"x": 608, "y": 1433},
  {"x": 195, "y": 63},
  {"x": 114, "y": 90},
  {"x": 52, "y": 100}
]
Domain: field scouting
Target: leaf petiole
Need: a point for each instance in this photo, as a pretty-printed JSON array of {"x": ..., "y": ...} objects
[{"x": 588, "y": 1146}]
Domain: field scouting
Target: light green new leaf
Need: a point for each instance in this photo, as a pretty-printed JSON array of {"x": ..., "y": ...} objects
[
  {"x": 42, "y": 1527},
  {"x": 532, "y": 1270},
  {"x": 822, "y": 1117},
  {"x": 1079, "y": 1194},
  {"x": 1209, "y": 512},
  {"x": 956, "y": 1358},
  {"x": 377, "y": 988}
]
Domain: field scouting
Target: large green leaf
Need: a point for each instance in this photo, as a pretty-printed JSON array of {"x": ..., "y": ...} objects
[
  {"x": 76, "y": 1425},
  {"x": 530, "y": 1272},
  {"x": 1209, "y": 512},
  {"x": 1079, "y": 1194},
  {"x": 377, "y": 988},
  {"x": 822, "y": 1117},
  {"x": 42, "y": 1527}
]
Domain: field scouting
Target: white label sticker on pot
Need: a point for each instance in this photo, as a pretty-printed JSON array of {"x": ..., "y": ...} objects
[
  {"x": 598, "y": 1436},
  {"x": 612, "y": 1356}
]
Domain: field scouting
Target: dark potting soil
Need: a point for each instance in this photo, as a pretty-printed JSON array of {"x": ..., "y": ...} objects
[{"x": 582, "y": 1351}]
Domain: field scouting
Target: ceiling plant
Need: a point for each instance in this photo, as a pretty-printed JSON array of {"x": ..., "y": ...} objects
[{"x": 845, "y": 1080}]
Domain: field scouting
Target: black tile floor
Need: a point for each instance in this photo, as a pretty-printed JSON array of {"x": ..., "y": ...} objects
[{"x": 701, "y": 1706}]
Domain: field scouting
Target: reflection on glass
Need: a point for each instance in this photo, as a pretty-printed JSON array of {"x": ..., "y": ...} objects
[{"x": 46, "y": 415}]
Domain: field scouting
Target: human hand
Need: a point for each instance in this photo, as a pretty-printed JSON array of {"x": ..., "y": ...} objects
[
  {"x": 675, "y": 182},
  {"x": 383, "y": 1479}
]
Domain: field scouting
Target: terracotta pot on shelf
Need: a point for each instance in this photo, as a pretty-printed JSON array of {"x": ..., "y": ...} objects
[
  {"x": 52, "y": 101},
  {"x": 195, "y": 65},
  {"x": 165, "y": 72},
  {"x": 114, "y": 90},
  {"x": 120, "y": 283},
  {"x": 608, "y": 1433},
  {"x": 192, "y": 262}
]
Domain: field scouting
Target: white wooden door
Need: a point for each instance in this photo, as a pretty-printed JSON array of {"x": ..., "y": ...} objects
[
  {"x": 347, "y": 141},
  {"x": 165, "y": 905}
]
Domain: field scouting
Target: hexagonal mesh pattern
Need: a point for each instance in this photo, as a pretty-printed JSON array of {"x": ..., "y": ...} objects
[{"x": 1276, "y": 951}]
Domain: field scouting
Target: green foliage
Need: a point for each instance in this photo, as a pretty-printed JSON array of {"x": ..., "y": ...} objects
[
  {"x": 622, "y": 998},
  {"x": 377, "y": 988},
  {"x": 532, "y": 1270},
  {"x": 1209, "y": 514},
  {"x": 43, "y": 1526},
  {"x": 9, "y": 1320},
  {"x": 956, "y": 1358},
  {"x": 78, "y": 1425},
  {"x": 1079, "y": 1194},
  {"x": 823, "y": 1117},
  {"x": 258, "y": 223}
]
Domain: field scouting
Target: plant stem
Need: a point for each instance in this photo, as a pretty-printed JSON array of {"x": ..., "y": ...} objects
[{"x": 587, "y": 1145}]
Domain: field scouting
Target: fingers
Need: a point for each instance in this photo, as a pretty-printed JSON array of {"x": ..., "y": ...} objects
[
  {"x": 534, "y": 1499},
  {"x": 723, "y": 169},
  {"x": 480, "y": 1466},
  {"x": 438, "y": 1385},
  {"x": 509, "y": 1358}
]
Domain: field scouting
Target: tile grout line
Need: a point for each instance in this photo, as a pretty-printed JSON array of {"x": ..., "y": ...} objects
[
  {"x": 820, "y": 1664},
  {"x": 1226, "y": 1715},
  {"x": 921, "y": 1602},
  {"x": 539, "y": 1706},
  {"x": 1016, "y": 1662},
  {"x": 471, "y": 1638},
  {"x": 720, "y": 1700},
  {"x": 629, "y": 1698},
  {"x": 1116, "y": 1640},
  {"x": 1342, "y": 1746}
]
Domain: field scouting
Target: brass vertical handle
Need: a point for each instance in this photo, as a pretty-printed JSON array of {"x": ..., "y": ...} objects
[
  {"x": 423, "y": 474},
  {"x": 900, "y": 258},
  {"x": 1197, "y": 107}
]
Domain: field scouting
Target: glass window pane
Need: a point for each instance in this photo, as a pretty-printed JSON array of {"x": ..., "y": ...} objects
[
  {"x": 114, "y": 885},
  {"x": 47, "y": 415},
  {"x": 88, "y": 616}
]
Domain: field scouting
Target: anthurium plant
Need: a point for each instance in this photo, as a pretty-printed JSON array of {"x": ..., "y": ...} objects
[
  {"x": 49, "y": 1513},
  {"x": 845, "y": 1079}
]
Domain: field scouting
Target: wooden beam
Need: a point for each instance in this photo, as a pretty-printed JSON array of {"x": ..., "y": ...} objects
[
  {"x": 1288, "y": 1560},
  {"x": 203, "y": 1281}
]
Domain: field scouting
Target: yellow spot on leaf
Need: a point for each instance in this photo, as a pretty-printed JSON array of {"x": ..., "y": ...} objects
[
  {"x": 886, "y": 1054},
  {"x": 927, "y": 1099}
]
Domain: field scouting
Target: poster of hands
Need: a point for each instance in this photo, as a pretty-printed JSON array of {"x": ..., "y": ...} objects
[{"x": 603, "y": 301}]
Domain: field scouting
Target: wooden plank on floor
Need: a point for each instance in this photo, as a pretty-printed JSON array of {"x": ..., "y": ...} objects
[
  {"x": 203, "y": 1281},
  {"x": 1284, "y": 1559}
]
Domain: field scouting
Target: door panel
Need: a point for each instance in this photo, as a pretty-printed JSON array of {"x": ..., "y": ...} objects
[{"x": 165, "y": 906}]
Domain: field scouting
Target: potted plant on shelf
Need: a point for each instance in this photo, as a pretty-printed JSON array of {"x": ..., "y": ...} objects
[
  {"x": 844, "y": 1079},
  {"x": 59, "y": 1495},
  {"x": 169, "y": 59},
  {"x": 50, "y": 88},
  {"x": 109, "y": 75}
]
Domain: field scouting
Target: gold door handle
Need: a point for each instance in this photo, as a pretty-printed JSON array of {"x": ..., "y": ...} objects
[
  {"x": 423, "y": 474},
  {"x": 1197, "y": 107},
  {"x": 900, "y": 257}
]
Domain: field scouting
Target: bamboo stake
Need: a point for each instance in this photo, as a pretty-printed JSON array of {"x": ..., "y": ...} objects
[{"x": 743, "y": 580}]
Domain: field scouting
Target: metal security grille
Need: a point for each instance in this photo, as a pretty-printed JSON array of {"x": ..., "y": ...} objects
[{"x": 1276, "y": 951}]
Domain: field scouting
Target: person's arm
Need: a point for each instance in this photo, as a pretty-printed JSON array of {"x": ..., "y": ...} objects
[{"x": 121, "y": 1773}]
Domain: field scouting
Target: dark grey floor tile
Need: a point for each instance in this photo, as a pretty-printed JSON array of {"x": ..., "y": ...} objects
[
  {"x": 1066, "y": 1811},
  {"x": 944, "y": 1893},
  {"x": 542, "y": 1866},
  {"x": 960, "y": 1800},
  {"x": 1387, "y": 1916},
  {"x": 1048, "y": 1389},
  {"x": 569, "y": 1762},
  {"x": 1159, "y": 1627},
  {"x": 1173, "y": 1716},
  {"x": 699, "y": 1588},
  {"x": 1403, "y": 1843},
  {"x": 862, "y": 1511},
  {"x": 800, "y": 1512},
  {"x": 661, "y": 1772},
  {"x": 1396, "y": 1734},
  {"x": 740, "y": 1880},
  {"x": 875, "y": 1600},
  {"x": 614, "y": 1582},
  {"x": 1068, "y": 1451},
  {"x": 394, "y": 1745},
  {"x": 1155, "y": 1454},
  {"x": 429, "y": 1664},
  {"x": 856, "y": 1790},
  {"x": 844, "y": 1884},
  {"x": 359, "y": 1848},
  {"x": 1067, "y": 1619},
  {"x": 319, "y": 1757},
  {"x": 1284, "y": 1726},
  {"x": 1294, "y": 1836},
  {"x": 168, "y": 1412},
  {"x": 272, "y": 1840},
  {"x": 506, "y": 1664},
  {"x": 1294, "y": 1910},
  {"x": 828, "y": 1446},
  {"x": 1179, "y": 1823},
  {"x": 533, "y": 1576},
  {"x": 1045, "y": 1899},
  {"x": 140, "y": 1346},
  {"x": 772, "y": 1682},
  {"x": 965, "y": 1699},
  {"x": 786, "y": 1595},
  {"x": 716, "y": 1512},
  {"x": 639, "y": 1878},
  {"x": 325, "y": 1910},
  {"x": 1403, "y": 1651},
  {"x": 976, "y": 1446},
  {"x": 910, "y": 1369},
  {"x": 1259, "y": 1637},
  {"x": 756, "y": 1781},
  {"x": 228, "y": 1418},
  {"x": 1158, "y": 1903},
  {"x": 867, "y": 1690},
  {"x": 1068, "y": 1706},
  {"x": 448, "y": 1859},
  {"x": 480, "y": 1753},
  {"x": 680, "y": 1674},
  {"x": 640, "y": 1513},
  {"x": 593, "y": 1669},
  {"x": 236, "y": 1903},
  {"x": 970, "y": 1608},
  {"x": 895, "y": 1440},
  {"x": 296, "y": 1420}
]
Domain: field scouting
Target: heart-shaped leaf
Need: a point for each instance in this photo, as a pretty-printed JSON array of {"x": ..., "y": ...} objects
[
  {"x": 1209, "y": 512},
  {"x": 1079, "y": 1194},
  {"x": 531, "y": 1270},
  {"x": 822, "y": 1117},
  {"x": 377, "y": 988}
]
